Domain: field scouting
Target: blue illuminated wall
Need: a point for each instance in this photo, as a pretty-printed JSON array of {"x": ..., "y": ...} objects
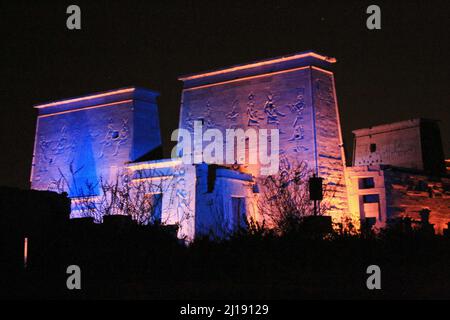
[{"x": 79, "y": 141}]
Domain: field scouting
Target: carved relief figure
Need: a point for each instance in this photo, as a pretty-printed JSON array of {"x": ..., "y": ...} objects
[
  {"x": 123, "y": 135},
  {"x": 61, "y": 144},
  {"x": 182, "y": 195},
  {"x": 50, "y": 150},
  {"x": 285, "y": 165},
  {"x": 42, "y": 158},
  {"x": 115, "y": 137},
  {"x": 298, "y": 133},
  {"x": 233, "y": 115},
  {"x": 252, "y": 113},
  {"x": 271, "y": 111},
  {"x": 44, "y": 146},
  {"x": 208, "y": 123},
  {"x": 297, "y": 108}
]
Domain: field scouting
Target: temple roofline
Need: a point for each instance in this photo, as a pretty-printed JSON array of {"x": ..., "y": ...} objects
[
  {"x": 97, "y": 98},
  {"x": 391, "y": 126},
  {"x": 258, "y": 63},
  {"x": 287, "y": 62}
]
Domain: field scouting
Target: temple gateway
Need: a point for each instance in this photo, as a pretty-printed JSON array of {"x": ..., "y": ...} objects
[{"x": 90, "y": 145}]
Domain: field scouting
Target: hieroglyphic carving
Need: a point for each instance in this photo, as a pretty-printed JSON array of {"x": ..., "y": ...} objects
[
  {"x": 299, "y": 148},
  {"x": 233, "y": 115},
  {"x": 252, "y": 113},
  {"x": 324, "y": 91},
  {"x": 63, "y": 145},
  {"x": 298, "y": 107},
  {"x": 44, "y": 159},
  {"x": 298, "y": 133},
  {"x": 182, "y": 195},
  {"x": 272, "y": 111},
  {"x": 50, "y": 150},
  {"x": 115, "y": 137},
  {"x": 297, "y": 137},
  {"x": 285, "y": 164},
  {"x": 208, "y": 122}
]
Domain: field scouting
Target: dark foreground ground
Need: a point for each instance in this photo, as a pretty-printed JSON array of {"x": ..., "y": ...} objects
[{"x": 137, "y": 263}]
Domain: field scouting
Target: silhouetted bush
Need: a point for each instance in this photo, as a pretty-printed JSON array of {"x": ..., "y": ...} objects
[{"x": 121, "y": 259}]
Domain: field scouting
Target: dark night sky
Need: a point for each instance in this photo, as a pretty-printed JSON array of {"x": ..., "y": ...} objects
[{"x": 396, "y": 73}]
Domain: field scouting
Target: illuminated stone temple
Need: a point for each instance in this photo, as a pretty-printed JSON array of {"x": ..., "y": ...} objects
[
  {"x": 115, "y": 135},
  {"x": 399, "y": 172}
]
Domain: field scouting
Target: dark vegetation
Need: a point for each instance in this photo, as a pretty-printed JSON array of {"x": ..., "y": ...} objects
[{"x": 122, "y": 260}]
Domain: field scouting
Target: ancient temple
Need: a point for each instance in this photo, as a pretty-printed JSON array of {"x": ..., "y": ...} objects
[
  {"x": 294, "y": 94},
  {"x": 111, "y": 136},
  {"x": 399, "y": 172}
]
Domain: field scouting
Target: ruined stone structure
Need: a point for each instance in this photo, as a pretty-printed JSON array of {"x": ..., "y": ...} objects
[
  {"x": 414, "y": 144},
  {"x": 114, "y": 135},
  {"x": 398, "y": 170}
]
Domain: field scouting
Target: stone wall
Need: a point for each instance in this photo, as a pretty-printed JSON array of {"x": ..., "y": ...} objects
[
  {"x": 242, "y": 105},
  {"x": 407, "y": 193},
  {"x": 215, "y": 189},
  {"x": 78, "y": 141},
  {"x": 400, "y": 193},
  {"x": 396, "y": 144},
  {"x": 329, "y": 152},
  {"x": 356, "y": 193}
]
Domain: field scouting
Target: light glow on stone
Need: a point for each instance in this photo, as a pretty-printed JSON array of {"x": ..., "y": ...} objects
[{"x": 89, "y": 97}]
